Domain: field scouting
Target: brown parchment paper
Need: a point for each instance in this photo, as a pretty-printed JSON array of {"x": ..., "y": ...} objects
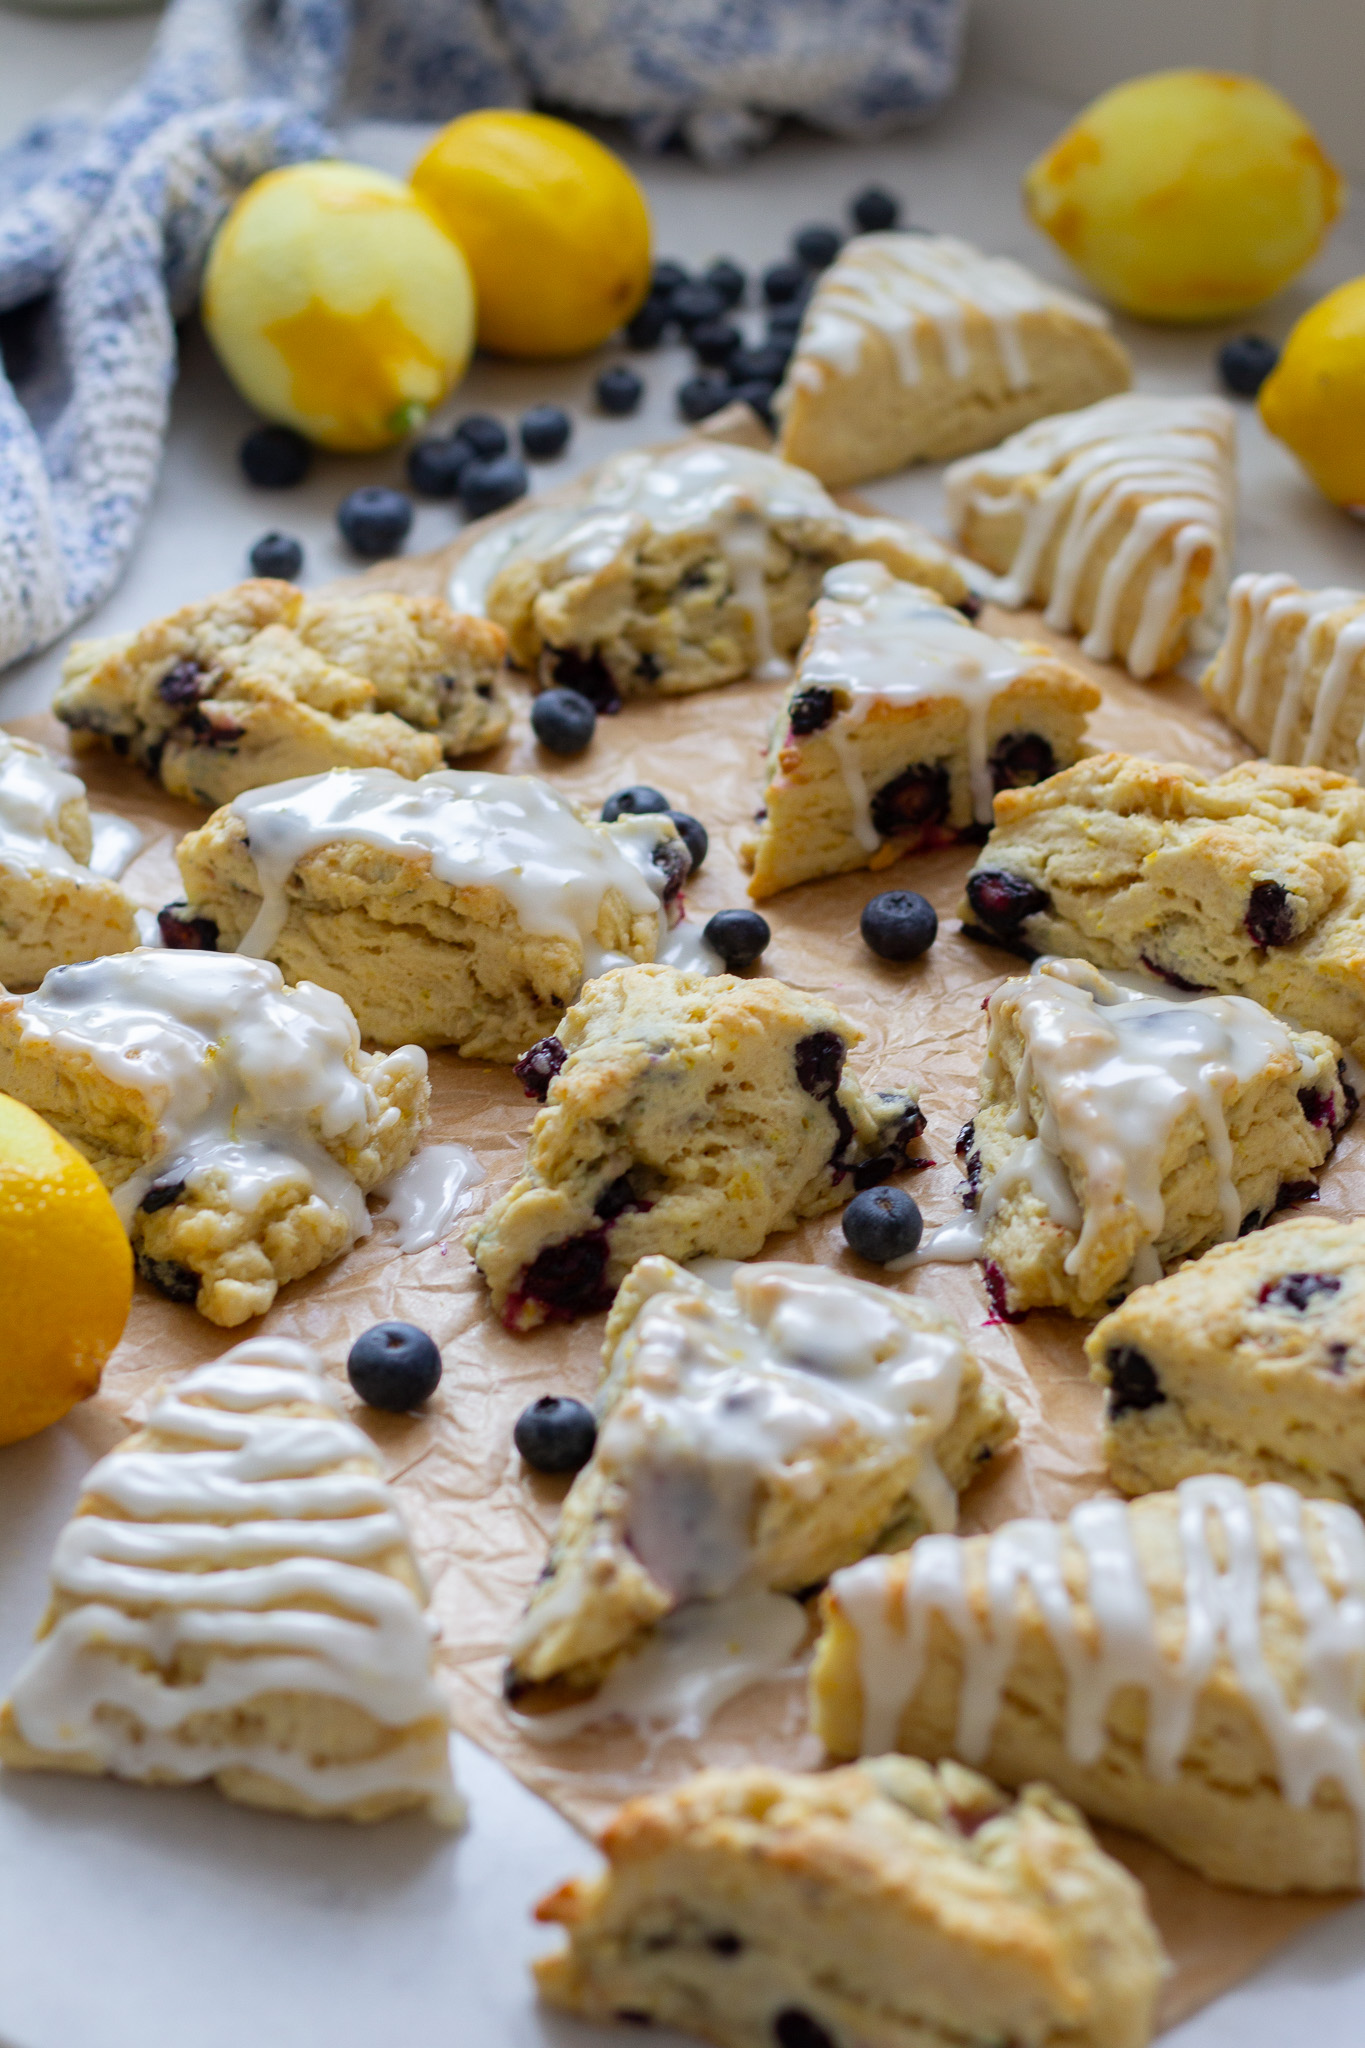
[{"x": 480, "y": 1520}]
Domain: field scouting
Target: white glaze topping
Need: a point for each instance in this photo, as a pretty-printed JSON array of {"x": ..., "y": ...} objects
[
  {"x": 425, "y": 1197},
  {"x": 34, "y": 791},
  {"x": 1258, "y": 609}
]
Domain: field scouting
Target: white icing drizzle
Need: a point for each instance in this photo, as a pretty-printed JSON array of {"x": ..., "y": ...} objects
[
  {"x": 1172, "y": 458},
  {"x": 250, "y": 1546},
  {"x": 1259, "y": 607},
  {"x": 1229, "y": 1535},
  {"x": 114, "y": 842},
  {"x": 34, "y": 791},
  {"x": 425, "y": 1197}
]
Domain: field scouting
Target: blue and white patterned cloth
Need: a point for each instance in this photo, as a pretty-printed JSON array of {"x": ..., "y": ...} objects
[{"x": 104, "y": 223}]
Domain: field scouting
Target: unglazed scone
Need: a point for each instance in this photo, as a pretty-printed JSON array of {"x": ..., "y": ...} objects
[
  {"x": 886, "y": 1905},
  {"x": 1186, "y": 1665},
  {"x": 461, "y": 909},
  {"x": 900, "y": 724},
  {"x": 53, "y": 907},
  {"x": 1247, "y": 883},
  {"x": 261, "y": 684},
  {"x": 916, "y": 348},
  {"x": 236, "y": 1122},
  {"x": 679, "y": 569},
  {"x": 756, "y": 1434},
  {"x": 1119, "y": 1132},
  {"x": 1250, "y": 1360},
  {"x": 1289, "y": 674},
  {"x": 685, "y": 1115},
  {"x": 236, "y": 1600},
  {"x": 1117, "y": 520}
]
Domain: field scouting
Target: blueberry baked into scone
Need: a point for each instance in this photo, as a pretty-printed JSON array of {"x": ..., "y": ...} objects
[
  {"x": 236, "y": 1122},
  {"x": 685, "y": 1115},
  {"x": 1117, "y": 520},
  {"x": 1250, "y": 1360},
  {"x": 53, "y": 907},
  {"x": 462, "y": 909},
  {"x": 888, "y": 1903},
  {"x": 1120, "y": 1132},
  {"x": 261, "y": 684},
  {"x": 758, "y": 1433},
  {"x": 1289, "y": 674},
  {"x": 915, "y": 348},
  {"x": 1186, "y": 1665},
  {"x": 235, "y": 1600},
  {"x": 900, "y": 724}
]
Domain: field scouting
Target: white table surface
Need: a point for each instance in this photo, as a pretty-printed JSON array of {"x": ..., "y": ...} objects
[{"x": 135, "y": 1919}]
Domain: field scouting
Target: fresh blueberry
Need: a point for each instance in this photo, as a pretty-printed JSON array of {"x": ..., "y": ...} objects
[
  {"x": 619, "y": 390},
  {"x": 898, "y": 925},
  {"x": 646, "y": 329},
  {"x": 375, "y": 521},
  {"x": 692, "y": 304},
  {"x": 274, "y": 457},
  {"x": 817, "y": 246},
  {"x": 739, "y": 936},
  {"x": 394, "y": 1366},
  {"x": 715, "y": 341},
  {"x": 1244, "y": 364},
  {"x": 882, "y": 1224},
  {"x": 784, "y": 326},
  {"x": 545, "y": 432},
  {"x": 555, "y": 1434},
  {"x": 783, "y": 283},
  {"x": 486, "y": 486},
  {"x": 276, "y": 554},
  {"x": 485, "y": 436},
  {"x": 693, "y": 835},
  {"x": 666, "y": 277},
  {"x": 639, "y": 801},
  {"x": 701, "y": 396},
  {"x": 434, "y": 466},
  {"x": 875, "y": 210},
  {"x": 728, "y": 279},
  {"x": 765, "y": 364},
  {"x": 758, "y": 396},
  {"x": 563, "y": 721}
]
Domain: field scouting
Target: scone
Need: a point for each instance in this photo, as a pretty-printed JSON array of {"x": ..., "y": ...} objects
[
  {"x": 900, "y": 724},
  {"x": 461, "y": 909},
  {"x": 683, "y": 568},
  {"x": 887, "y": 1905},
  {"x": 1289, "y": 674},
  {"x": 236, "y": 1600},
  {"x": 683, "y": 1115},
  {"x": 261, "y": 684},
  {"x": 1250, "y": 1361},
  {"x": 1186, "y": 1665},
  {"x": 1119, "y": 1132},
  {"x": 1247, "y": 883},
  {"x": 53, "y": 907},
  {"x": 1117, "y": 519},
  {"x": 756, "y": 1434},
  {"x": 236, "y": 1122},
  {"x": 915, "y": 348}
]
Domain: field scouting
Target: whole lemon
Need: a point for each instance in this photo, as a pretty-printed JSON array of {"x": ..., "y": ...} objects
[
  {"x": 555, "y": 228},
  {"x": 1186, "y": 195},
  {"x": 66, "y": 1274},
  {"x": 338, "y": 304},
  {"x": 1314, "y": 398}
]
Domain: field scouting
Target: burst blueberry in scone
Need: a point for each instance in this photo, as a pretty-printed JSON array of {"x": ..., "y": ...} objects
[
  {"x": 236, "y": 1122},
  {"x": 1289, "y": 673},
  {"x": 53, "y": 907},
  {"x": 261, "y": 683},
  {"x": 901, "y": 723},
  {"x": 887, "y": 1902},
  {"x": 236, "y": 1600},
  {"x": 683, "y": 1115},
  {"x": 755, "y": 1433}
]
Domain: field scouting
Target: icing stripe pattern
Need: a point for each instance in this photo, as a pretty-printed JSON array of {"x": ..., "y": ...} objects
[{"x": 1295, "y": 716}]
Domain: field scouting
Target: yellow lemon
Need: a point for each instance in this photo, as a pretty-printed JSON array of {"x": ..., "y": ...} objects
[
  {"x": 66, "y": 1274},
  {"x": 1314, "y": 398},
  {"x": 555, "y": 228},
  {"x": 1186, "y": 195},
  {"x": 338, "y": 304}
]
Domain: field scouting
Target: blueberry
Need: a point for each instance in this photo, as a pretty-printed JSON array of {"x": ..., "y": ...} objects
[
  {"x": 1133, "y": 1383},
  {"x": 563, "y": 721},
  {"x": 646, "y": 329},
  {"x": 912, "y": 801},
  {"x": 275, "y": 457},
  {"x": 555, "y": 1434},
  {"x": 739, "y": 936},
  {"x": 186, "y": 934},
  {"x": 1269, "y": 919},
  {"x": 764, "y": 365},
  {"x": 1004, "y": 900},
  {"x": 693, "y": 835},
  {"x": 817, "y": 246},
  {"x": 875, "y": 209},
  {"x": 757, "y": 396},
  {"x": 394, "y": 1366},
  {"x": 1297, "y": 1290},
  {"x": 784, "y": 326},
  {"x": 728, "y": 279},
  {"x": 1020, "y": 760},
  {"x": 538, "y": 1066},
  {"x": 1244, "y": 364},
  {"x": 638, "y": 801},
  {"x": 783, "y": 283},
  {"x": 701, "y": 396},
  {"x": 619, "y": 390},
  {"x": 375, "y": 521},
  {"x": 794, "y": 2028},
  {"x": 545, "y": 432},
  {"x": 434, "y": 466},
  {"x": 692, "y": 304},
  {"x": 899, "y": 925},
  {"x": 666, "y": 277},
  {"x": 810, "y": 710},
  {"x": 486, "y": 486},
  {"x": 276, "y": 554},
  {"x": 484, "y": 436},
  {"x": 882, "y": 1224},
  {"x": 715, "y": 341}
]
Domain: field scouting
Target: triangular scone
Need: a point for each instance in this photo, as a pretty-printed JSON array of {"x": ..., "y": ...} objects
[
  {"x": 54, "y": 908},
  {"x": 236, "y": 1600},
  {"x": 888, "y": 1903},
  {"x": 758, "y": 1434},
  {"x": 684, "y": 1114},
  {"x": 1290, "y": 672},
  {"x": 1116, "y": 520},
  {"x": 915, "y": 348},
  {"x": 900, "y": 725}
]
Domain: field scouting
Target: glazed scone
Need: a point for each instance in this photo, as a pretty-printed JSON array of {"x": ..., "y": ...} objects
[
  {"x": 1120, "y": 1132},
  {"x": 1186, "y": 1665},
  {"x": 461, "y": 909},
  {"x": 916, "y": 348},
  {"x": 53, "y": 907},
  {"x": 682, "y": 569},
  {"x": 887, "y": 1903},
  {"x": 1289, "y": 674},
  {"x": 1249, "y": 1360},
  {"x": 261, "y": 684},
  {"x": 236, "y": 1122},
  {"x": 236, "y": 1600},
  {"x": 757, "y": 1434},
  {"x": 1117, "y": 520},
  {"x": 1247, "y": 883},
  {"x": 683, "y": 1115},
  {"x": 900, "y": 724}
]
